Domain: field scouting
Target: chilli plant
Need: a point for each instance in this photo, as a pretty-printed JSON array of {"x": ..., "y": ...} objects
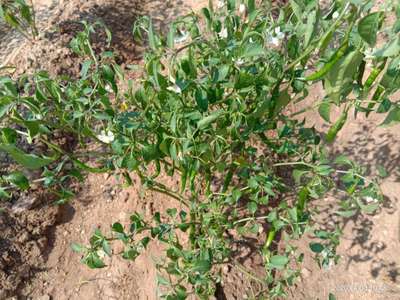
[
  {"x": 19, "y": 15},
  {"x": 211, "y": 109}
]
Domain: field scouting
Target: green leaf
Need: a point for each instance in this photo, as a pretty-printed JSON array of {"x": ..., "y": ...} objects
[
  {"x": 244, "y": 80},
  {"x": 297, "y": 9},
  {"x": 339, "y": 79},
  {"x": 393, "y": 117},
  {"x": 8, "y": 136},
  {"x": 152, "y": 38},
  {"x": 316, "y": 247},
  {"x": 390, "y": 49},
  {"x": 251, "y": 6},
  {"x": 346, "y": 213},
  {"x": 84, "y": 166},
  {"x": 108, "y": 35},
  {"x": 106, "y": 247},
  {"x": 369, "y": 26},
  {"x": 207, "y": 15},
  {"x": 323, "y": 170},
  {"x": 78, "y": 247},
  {"x": 369, "y": 208},
  {"x": 219, "y": 74},
  {"x": 5, "y": 105},
  {"x": 293, "y": 47},
  {"x": 382, "y": 171},
  {"x": 311, "y": 26},
  {"x": 297, "y": 174},
  {"x": 4, "y": 194},
  {"x": 162, "y": 281},
  {"x": 253, "y": 50},
  {"x": 172, "y": 212},
  {"x": 343, "y": 160},
  {"x": 282, "y": 101},
  {"x": 26, "y": 13},
  {"x": 85, "y": 68},
  {"x": 206, "y": 121},
  {"x": 325, "y": 111},
  {"x": 33, "y": 128},
  {"x": 18, "y": 178},
  {"x": 202, "y": 266},
  {"x": 93, "y": 261},
  {"x": 252, "y": 207},
  {"x": 181, "y": 292},
  {"x": 109, "y": 76},
  {"x": 117, "y": 227},
  {"x": 150, "y": 152},
  {"x": 331, "y": 297},
  {"x": 391, "y": 79},
  {"x": 231, "y": 5},
  {"x": 29, "y": 161},
  {"x": 279, "y": 261},
  {"x": 322, "y": 234},
  {"x": 130, "y": 254},
  {"x": 171, "y": 36},
  {"x": 201, "y": 99}
]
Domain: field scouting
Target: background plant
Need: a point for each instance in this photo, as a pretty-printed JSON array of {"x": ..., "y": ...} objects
[
  {"x": 19, "y": 15},
  {"x": 211, "y": 109}
]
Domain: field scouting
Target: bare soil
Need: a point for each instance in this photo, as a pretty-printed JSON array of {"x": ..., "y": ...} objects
[
  {"x": 369, "y": 267},
  {"x": 36, "y": 261}
]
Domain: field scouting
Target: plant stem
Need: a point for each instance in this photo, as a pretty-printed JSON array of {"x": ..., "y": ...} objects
[
  {"x": 355, "y": 174},
  {"x": 250, "y": 219},
  {"x": 171, "y": 194},
  {"x": 33, "y": 181},
  {"x": 241, "y": 268},
  {"x": 301, "y": 163}
]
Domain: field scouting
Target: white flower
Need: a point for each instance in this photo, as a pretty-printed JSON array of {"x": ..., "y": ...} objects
[
  {"x": 106, "y": 137},
  {"x": 273, "y": 40},
  {"x": 182, "y": 37},
  {"x": 369, "y": 53},
  {"x": 276, "y": 37},
  {"x": 108, "y": 88},
  {"x": 279, "y": 34},
  {"x": 242, "y": 8},
  {"x": 335, "y": 15},
  {"x": 223, "y": 34},
  {"x": 369, "y": 199},
  {"x": 239, "y": 62},
  {"x": 175, "y": 89},
  {"x": 101, "y": 254},
  {"x": 220, "y": 4},
  {"x": 172, "y": 79}
]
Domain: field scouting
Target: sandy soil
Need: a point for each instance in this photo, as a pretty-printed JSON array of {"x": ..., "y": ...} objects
[
  {"x": 48, "y": 269},
  {"x": 369, "y": 267}
]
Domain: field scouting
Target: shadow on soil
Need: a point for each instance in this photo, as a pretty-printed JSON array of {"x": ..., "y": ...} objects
[
  {"x": 370, "y": 151},
  {"x": 119, "y": 17}
]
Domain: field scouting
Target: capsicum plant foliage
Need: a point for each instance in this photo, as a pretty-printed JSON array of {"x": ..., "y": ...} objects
[
  {"x": 19, "y": 15},
  {"x": 212, "y": 110}
]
